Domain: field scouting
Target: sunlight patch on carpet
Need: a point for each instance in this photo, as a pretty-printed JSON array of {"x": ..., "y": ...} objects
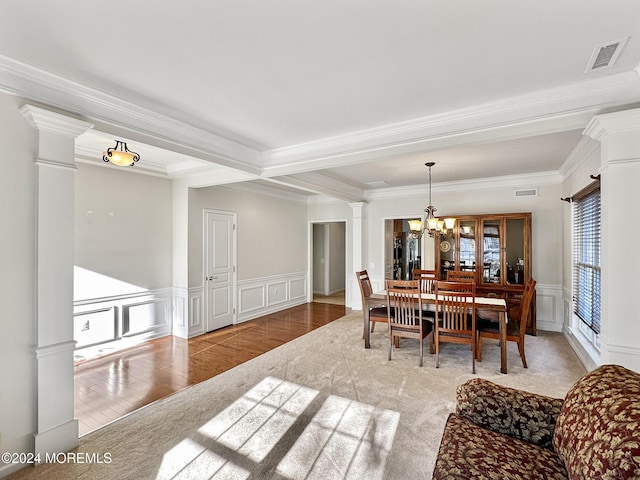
[
  {"x": 346, "y": 439},
  {"x": 189, "y": 460},
  {"x": 255, "y": 423}
]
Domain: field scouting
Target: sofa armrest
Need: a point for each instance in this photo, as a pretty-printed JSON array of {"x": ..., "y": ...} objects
[{"x": 519, "y": 414}]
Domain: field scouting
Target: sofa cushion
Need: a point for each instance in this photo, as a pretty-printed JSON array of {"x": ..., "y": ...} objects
[
  {"x": 516, "y": 413},
  {"x": 598, "y": 430},
  {"x": 468, "y": 451}
]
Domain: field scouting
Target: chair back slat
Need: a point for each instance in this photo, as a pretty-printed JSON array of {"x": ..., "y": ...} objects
[
  {"x": 427, "y": 279},
  {"x": 456, "y": 322},
  {"x": 405, "y": 314},
  {"x": 461, "y": 276},
  {"x": 365, "y": 284},
  {"x": 404, "y": 302},
  {"x": 525, "y": 304},
  {"x": 455, "y": 286}
]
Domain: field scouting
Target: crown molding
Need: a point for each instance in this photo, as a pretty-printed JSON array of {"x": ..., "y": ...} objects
[
  {"x": 54, "y": 122},
  {"x": 508, "y": 181},
  {"x": 320, "y": 184},
  {"x": 580, "y": 154},
  {"x": 560, "y": 109},
  {"x": 111, "y": 112},
  {"x": 623, "y": 121},
  {"x": 261, "y": 189}
]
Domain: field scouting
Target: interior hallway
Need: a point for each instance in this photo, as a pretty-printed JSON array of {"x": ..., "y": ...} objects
[{"x": 110, "y": 387}]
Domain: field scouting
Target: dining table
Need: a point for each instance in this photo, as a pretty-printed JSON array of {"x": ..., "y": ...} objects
[{"x": 492, "y": 304}]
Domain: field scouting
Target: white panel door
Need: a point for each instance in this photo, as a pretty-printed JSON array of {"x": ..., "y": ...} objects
[{"x": 219, "y": 269}]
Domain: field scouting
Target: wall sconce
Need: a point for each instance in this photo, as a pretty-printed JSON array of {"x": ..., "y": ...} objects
[{"x": 120, "y": 155}]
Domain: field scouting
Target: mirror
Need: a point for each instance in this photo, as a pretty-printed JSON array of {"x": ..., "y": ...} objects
[{"x": 403, "y": 253}]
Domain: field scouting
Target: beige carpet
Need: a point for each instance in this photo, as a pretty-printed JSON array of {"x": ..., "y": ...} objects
[{"x": 319, "y": 407}]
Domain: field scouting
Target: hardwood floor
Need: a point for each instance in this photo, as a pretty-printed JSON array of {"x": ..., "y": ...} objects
[{"x": 110, "y": 387}]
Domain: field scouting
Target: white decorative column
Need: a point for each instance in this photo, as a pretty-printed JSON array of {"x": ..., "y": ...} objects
[
  {"x": 182, "y": 310},
  {"x": 619, "y": 135},
  {"x": 357, "y": 254},
  {"x": 56, "y": 428}
]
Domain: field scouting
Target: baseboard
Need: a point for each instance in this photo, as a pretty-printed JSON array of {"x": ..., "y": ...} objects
[
  {"x": 585, "y": 358},
  {"x": 59, "y": 439}
]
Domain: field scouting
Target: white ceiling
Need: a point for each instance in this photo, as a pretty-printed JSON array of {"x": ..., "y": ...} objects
[{"x": 325, "y": 97}]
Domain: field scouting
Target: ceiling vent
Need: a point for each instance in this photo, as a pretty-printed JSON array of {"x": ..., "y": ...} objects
[
  {"x": 529, "y": 192},
  {"x": 605, "y": 55}
]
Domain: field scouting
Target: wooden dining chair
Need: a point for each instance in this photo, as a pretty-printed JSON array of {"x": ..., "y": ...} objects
[
  {"x": 405, "y": 313},
  {"x": 461, "y": 276},
  {"x": 516, "y": 327},
  {"x": 377, "y": 313},
  {"x": 427, "y": 279},
  {"x": 455, "y": 304}
]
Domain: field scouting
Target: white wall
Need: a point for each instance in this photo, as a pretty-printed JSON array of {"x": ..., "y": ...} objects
[
  {"x": 123, "y": 228},
  {"x": 17, "y": 281},
  {"x": 272, "y": 236},
  {"x": 272, "y": 239},
  {"x": 123, "y": 257}
]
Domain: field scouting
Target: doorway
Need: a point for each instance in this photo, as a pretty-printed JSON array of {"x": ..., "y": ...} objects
[
  {"x": 402, "y": 253},
  {"x": 329, "y": 262},
  {"x": 219, "y": 268}
]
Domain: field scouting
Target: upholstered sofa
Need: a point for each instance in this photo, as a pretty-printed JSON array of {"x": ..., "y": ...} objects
[{"x": 501, "y": 433}]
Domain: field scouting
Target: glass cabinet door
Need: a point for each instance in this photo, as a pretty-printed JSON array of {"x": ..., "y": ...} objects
[
  {"x": 467, "y": 248},
  {"x": 515, "y": 250},
  {"x": 491, "y": 249},
  {"x": 495, "y": 246}
]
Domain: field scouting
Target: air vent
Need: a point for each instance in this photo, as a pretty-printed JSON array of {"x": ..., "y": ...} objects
[
  {"x": 529, "y": 192},
  {"x": 605, "y": 56}
]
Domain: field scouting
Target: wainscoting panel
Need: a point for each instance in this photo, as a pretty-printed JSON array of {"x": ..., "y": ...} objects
[
  {"x": 252, "y": 298},
  {"x": 298, "y": 288},
  {"x": 144, "y": 317},
  {"x": 196, "y": 311},
  {"x": 549, "y": 307},
  {"x": 277, "y": 293},
  {"x": 93, "y": 327},
  {"x": 107, "y": 324},
  {"x": 180, "y": 313},
  {"x": 261, "y": 296}
]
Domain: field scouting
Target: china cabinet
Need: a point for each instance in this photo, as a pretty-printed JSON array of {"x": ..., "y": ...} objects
[{"x": 497, "y": 248}]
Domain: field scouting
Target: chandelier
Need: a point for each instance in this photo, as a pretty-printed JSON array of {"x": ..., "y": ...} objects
[
  {"x": 430, "y": 224},
  {"x": 120, "y": 155}
]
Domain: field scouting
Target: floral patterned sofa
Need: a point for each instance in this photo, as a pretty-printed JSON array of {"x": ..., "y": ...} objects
[{"x": 501, "y": 433}]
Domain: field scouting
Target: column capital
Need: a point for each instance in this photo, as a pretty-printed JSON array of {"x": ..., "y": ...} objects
[
  {"x": 53, "y": 122},
  {"x": 617, "y": 122},
  {"x": 357, "y": 208}
]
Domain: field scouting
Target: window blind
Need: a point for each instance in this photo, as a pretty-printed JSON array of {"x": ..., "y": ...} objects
[{"x": 586, "y": 252}]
